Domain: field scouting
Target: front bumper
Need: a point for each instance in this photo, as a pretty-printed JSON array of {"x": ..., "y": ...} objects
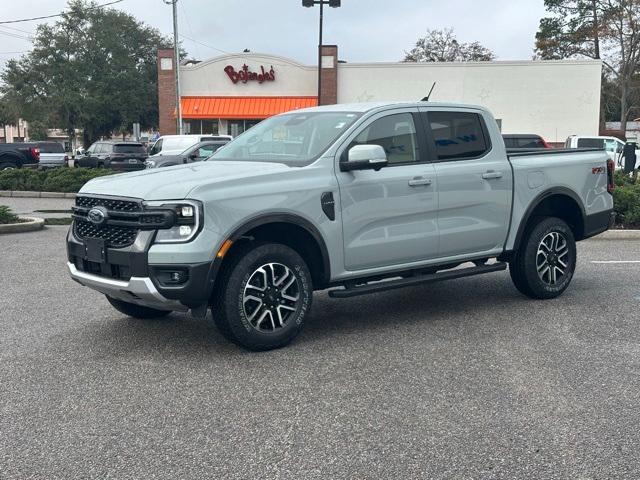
[
  {"x": 127, "y": 275},
  {"x": 138, "y": 290}
]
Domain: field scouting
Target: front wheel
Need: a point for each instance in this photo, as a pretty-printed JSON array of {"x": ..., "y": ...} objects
[
  {"x": 263, "y": 297},
  {"x": 136, "y": 311},
  {"x": 544, "y": 265}
]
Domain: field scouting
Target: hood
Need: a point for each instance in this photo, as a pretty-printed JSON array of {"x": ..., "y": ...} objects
[{"x": 173, "y": 183}]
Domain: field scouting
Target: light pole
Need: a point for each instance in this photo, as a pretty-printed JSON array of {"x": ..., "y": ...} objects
[
  {"x": 176, "y": 60},
  {"x": 332, "y": 4}
]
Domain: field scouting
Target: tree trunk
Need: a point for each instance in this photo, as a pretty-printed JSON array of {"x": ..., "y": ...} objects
[{"x": 624, "y": 114}]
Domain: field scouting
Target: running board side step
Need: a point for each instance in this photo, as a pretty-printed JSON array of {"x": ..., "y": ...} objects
[{"x": 415, "y": 280}]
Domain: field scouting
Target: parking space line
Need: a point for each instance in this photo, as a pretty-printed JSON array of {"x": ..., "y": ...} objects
[{"x": 615, "y": 261}]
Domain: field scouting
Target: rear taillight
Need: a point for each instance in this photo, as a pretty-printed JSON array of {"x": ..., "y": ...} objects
[
  {"x": 611, "y": 168},
  {"x": 544, "y": 142},
  {"x": 35, "y": 152}
]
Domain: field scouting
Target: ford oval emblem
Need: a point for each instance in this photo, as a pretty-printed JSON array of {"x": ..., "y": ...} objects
[{"x": 97, "y": 215}]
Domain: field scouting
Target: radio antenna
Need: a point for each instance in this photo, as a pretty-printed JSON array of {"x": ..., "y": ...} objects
[{"x": 426, "y": 99}]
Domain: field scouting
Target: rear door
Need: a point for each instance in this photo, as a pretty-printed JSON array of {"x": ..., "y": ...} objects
[
  {"x": 389, "y": 216},
  {"x": 474, "y": 182}
]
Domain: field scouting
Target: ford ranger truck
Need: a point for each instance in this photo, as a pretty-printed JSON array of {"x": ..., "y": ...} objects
[{"x": 354, "y": 198}]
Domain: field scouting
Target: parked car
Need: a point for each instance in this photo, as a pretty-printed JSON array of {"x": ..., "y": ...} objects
[
  {"x": 52, "y": 155},
  {"x": 125, "y": 156},
  {"x": 18, "y": 155},
  {"x": 612, "y": 145},
  {"x": 356, "y": 198},
  {"x": 176, "y": 144},
  {"x": 195, "y": 153},
  {"x": 516, "y": 140}
]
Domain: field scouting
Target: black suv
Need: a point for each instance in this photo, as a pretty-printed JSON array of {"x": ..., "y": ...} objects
[{"x": 122, "y": 156}]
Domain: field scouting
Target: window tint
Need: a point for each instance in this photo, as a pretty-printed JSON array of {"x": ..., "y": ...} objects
[
  {"x": 529, "y": 142},
  {"x": 128, "y": 148},
  {"x": 50, "y": 147},
  {"x": 396, "y": 134},
  {"x": 457, "y": 135},
  {"x": 590, "y": 143}
]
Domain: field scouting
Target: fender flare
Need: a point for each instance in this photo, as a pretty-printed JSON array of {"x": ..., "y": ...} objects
[
  {"x": 293, "y": 219},
  {"x": 537, "y": 201}
]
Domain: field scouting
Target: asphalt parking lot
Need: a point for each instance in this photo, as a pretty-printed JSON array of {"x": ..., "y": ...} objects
[{"x": 463, "y": 379}]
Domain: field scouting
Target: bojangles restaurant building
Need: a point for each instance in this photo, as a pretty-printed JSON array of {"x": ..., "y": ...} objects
[{"x": 231, "y": 93}]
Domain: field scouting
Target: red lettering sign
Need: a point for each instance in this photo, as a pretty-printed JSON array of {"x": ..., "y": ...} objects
[{"x": 245, "y": 75}]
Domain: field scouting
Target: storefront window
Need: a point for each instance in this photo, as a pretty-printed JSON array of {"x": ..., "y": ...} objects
[
  {"x": 198, "y": 127},
  {"x": 236, "y": 127}
]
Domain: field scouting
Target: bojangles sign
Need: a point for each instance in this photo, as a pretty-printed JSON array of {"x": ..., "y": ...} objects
[{"x": 245, "y": 75}]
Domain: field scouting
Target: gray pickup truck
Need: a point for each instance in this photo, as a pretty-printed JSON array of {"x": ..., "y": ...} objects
[{"x": 352, "y": 198}]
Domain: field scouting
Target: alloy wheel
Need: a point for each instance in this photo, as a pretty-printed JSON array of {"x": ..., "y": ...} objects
[
  {"x": 270, "y": 298},
  {"x": 552, "y": 258}
]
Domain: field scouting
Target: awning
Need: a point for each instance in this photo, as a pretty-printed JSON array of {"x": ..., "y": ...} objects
[{"x": 242, "y": 107}]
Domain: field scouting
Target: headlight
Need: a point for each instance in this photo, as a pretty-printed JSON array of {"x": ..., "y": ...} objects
[
  {"x": 150, "y": 164},
  {"x": 189, "y": 215}
]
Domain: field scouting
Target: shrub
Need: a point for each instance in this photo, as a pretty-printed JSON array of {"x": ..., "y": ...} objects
[
  {"x": 7, "y": 216},
  {"x": 68, "y": 180},
  {"x": 626, "y": 203}
]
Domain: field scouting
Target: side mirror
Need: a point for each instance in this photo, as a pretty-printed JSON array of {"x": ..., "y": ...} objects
[{"x": 364, "y": 157}]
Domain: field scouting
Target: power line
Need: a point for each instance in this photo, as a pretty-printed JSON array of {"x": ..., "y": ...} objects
[
  {"x": 16, "y": 35},
  {"x": 57, "y": 14},
  {"x": 204, "y": 44}
]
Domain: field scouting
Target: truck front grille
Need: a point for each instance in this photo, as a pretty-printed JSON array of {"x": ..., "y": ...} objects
[
  {"x": 113, "y": 236},
  {"x": 109, "y": 203}
]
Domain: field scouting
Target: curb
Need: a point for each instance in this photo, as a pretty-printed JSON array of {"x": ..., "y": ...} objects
[
  {"x": 26, "y": 194},
  {"x": 33, "y": 224},
  {"x": 618, "y": 234}
]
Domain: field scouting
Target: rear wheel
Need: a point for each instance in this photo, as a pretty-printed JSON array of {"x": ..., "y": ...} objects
[
  {"x": 7, "y": 166},
  {"x": 263, "y": 297},
  {"x": 544, "y": 265},
  {"x": 136, "y": 311}
]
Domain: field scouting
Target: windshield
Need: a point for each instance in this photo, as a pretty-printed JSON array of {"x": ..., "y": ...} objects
[{"x": 295, "y": 139}]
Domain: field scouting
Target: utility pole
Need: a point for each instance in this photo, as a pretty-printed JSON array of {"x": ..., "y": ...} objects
[
  {"x": 332, "y": 4},
  {"x": 176, "y": 59}
]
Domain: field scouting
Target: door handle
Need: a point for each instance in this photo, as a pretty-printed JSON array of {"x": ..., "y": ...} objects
[
  {"x": 417, "y": 181},
  {"x": 491, "y": 174}
]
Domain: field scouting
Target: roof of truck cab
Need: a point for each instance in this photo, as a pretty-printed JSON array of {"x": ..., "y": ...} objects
[{"x": 369, "y": 106}]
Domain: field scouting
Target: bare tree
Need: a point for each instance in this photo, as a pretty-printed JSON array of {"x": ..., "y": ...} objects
[{"x": 442, "y": 46}]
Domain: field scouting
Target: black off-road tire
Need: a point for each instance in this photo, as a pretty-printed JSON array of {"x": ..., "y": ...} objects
[
  {"x": 229, "y": 304},
  {"x": 136, "y": 311},
  {"x": 532, "y": 257}
]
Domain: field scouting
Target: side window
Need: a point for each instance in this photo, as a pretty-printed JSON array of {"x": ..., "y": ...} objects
[
  {"x": 458, "y": 135},
  {"x": 157, "y": 147},
  {"x": 396, "y": 134}
]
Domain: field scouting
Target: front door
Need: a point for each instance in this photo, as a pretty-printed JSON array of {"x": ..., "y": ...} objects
[
  {"x": 474, "y": 182},
  {"x": 389, "y": 216}
]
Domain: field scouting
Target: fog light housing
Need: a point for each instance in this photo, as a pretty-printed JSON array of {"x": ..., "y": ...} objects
[{"x": 171, "y": 277}]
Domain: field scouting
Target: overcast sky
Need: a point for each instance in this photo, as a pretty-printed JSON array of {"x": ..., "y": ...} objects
[{"x": 364, "y": 30}]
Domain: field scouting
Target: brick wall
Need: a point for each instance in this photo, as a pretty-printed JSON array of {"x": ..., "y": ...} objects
[
  {"x": 329, "y": 75},
  {"x": 166, "y": 92}
]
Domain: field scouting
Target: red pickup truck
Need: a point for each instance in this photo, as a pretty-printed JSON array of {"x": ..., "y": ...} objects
[{"x": 18, "y": 155}]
